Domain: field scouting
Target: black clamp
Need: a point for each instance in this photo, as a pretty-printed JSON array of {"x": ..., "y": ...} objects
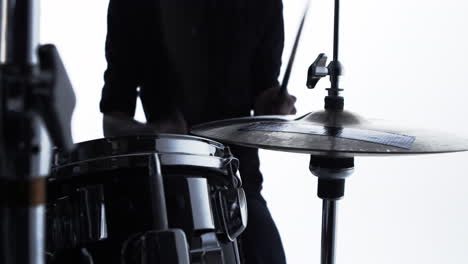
[
  {"x": 45, "y": 91},
  {"x": 334, "y": 69}
]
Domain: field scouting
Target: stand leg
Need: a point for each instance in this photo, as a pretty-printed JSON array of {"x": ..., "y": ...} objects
[
  {"x": 328, "y": 231},
  {"x": 23, "y": 233},
  {"x": 332, "y": 172}
]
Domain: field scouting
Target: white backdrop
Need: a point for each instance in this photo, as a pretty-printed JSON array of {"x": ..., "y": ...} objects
[{"x": 404, "y": 60}]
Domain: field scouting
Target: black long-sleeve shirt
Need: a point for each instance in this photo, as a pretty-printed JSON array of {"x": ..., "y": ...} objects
[{"x": 207, "y": 58}]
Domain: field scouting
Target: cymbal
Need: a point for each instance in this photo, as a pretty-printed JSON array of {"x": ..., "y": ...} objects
[{"x": 340, "y": 133}]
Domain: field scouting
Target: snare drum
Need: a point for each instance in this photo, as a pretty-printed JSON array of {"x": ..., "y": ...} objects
[{"x": 105, "y": 198}]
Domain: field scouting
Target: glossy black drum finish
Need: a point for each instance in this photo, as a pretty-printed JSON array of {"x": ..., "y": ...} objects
[{"x": 101, "y": 199}]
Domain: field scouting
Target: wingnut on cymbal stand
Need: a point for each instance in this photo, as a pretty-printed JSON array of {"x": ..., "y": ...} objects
[{"x": 36, "y": 104}]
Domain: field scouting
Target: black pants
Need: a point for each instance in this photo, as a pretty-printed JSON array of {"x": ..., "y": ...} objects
[{"x": 261, "y": 242}]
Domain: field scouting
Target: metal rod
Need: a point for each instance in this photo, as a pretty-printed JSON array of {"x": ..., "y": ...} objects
[
  {"x": 24, "y": 235},
  {"x": 328, "y": 231},
  {"x": 158, "y": 198},
  {"x": 22, "y": 39},
  {"x": 22, "y": 214},
  {"x": 335, "y": 64},
  {"x": 336, "y": 30},
  {"x": 287, "y": 73},
  {"x": 4, "y": 19},
  {"x": 22, "y": 217}
]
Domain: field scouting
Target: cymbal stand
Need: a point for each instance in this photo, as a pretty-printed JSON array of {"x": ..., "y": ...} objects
[
  {"x": 36, "y": 105},
  {"x": 331, "y": 170},
  {"x": 317, "y": 70},
  {"x": 331, "y": 173}
]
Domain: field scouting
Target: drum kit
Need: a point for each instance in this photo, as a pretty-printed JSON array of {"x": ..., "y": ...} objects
[
  {"x": 164, "y": 198},
  {"x": 144, "y": 199}
]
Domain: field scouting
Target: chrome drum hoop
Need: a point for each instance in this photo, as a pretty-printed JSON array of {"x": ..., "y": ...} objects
[
  {"x": 162, "y": 144},
  {"x": 173, "y": 151}
]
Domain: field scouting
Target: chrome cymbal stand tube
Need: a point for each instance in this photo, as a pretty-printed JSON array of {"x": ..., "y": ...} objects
[
  {"x": 333, "y": 102},
  {"x": 331, "y": 170},
  {"x": 30, "y": 115},
  {"x": 23, "y": 209},
  {"x": 331, "y": 173}
]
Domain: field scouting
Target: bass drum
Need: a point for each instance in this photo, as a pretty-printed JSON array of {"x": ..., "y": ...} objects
[{"x": 145, "y": 199}]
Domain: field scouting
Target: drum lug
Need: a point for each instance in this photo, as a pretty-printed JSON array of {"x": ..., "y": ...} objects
[{"x": 76, "y": 219}]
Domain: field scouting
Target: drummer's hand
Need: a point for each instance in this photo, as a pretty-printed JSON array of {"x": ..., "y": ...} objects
[
  {"x": 174, "y": 124},
  {"x": 271, "y": 102},
  {"x": 121, "y": 124}
]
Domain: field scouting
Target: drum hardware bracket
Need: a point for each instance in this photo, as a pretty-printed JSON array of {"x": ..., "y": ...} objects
[
  {"x": 232, "y": 165},
  {"x": 156, "y": 183},
  {"x": 76, "y": 219},
  {"x": 232, "y": 204},
  {"x": 318, "y": 70}
]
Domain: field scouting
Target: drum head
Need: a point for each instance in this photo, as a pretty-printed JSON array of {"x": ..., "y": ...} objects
[
  {"x": 131, "y": 145},
  {"x": 173, "y": 151}
]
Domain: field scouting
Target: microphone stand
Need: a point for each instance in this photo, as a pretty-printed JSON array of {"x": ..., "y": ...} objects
[{"x": 36, "y": 105}]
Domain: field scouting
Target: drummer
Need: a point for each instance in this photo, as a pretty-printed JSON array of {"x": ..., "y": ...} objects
[{"x": 197, "y": 61}]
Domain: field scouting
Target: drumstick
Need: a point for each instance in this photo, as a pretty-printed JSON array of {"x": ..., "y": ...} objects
[{"x": 287, "y": 73}]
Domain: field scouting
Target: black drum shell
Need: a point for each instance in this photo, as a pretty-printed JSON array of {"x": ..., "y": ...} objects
[{"x": 122, "y": 169}]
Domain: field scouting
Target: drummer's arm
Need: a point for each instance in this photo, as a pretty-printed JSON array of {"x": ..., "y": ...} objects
[
  {"x": 125, "y": 37},
  {"x": 120, "y": 124},
  {"x": 267, "y": 67},
  {"x": 267, "y": 60},
  {"x": 118, "y": 100}
]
